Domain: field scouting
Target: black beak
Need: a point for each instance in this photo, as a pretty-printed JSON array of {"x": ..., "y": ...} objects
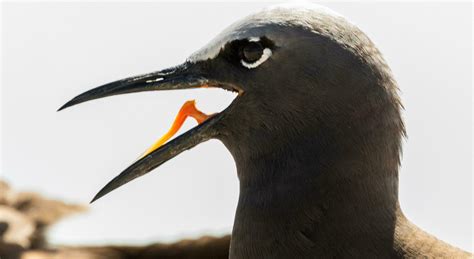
[
  {"x": 169, "y": 79},
  {"x": 174, "y": 78},
  {"x": 188, "y": 140}
]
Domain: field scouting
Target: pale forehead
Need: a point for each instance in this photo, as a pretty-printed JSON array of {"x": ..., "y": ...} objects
[{"x": 257, "y": 25}]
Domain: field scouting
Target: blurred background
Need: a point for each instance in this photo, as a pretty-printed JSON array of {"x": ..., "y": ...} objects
[{"x": 53, "y": 51}]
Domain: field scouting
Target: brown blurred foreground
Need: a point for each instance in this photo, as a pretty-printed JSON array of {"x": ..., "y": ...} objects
[{"x": 24, "y": 217}]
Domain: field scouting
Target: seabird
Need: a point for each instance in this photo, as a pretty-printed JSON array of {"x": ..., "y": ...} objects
[{"x": 315, "y": 132}]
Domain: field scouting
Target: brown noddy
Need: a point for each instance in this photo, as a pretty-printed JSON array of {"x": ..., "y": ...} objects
[{"x": 315, "y": 132}]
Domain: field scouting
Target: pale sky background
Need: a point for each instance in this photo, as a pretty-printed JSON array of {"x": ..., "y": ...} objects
[{"x": 54, "y": 51}]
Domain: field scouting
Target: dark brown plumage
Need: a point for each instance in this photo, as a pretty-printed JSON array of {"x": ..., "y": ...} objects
[{"x": 315, "y": 132}]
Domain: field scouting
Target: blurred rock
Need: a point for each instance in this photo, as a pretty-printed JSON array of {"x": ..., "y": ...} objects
[
  {"x": 25, "y": 216},
  {"x": 205, "y": 247},
  {"x": 15, "y": 227}
]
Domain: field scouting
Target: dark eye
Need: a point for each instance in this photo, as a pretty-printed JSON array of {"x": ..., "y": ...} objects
[{"x": 252, "y": 52}]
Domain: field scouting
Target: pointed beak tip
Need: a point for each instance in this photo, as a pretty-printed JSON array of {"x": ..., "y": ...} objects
[
  {"x": 96, "y": 197},
  {"x": 62, "y": 108},
  {"x": 66, "y": 105}
]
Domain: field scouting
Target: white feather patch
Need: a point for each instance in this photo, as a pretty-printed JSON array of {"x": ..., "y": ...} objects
[
  {"x": 254, "y": 39},
  {"x": 265, "y": 55}
]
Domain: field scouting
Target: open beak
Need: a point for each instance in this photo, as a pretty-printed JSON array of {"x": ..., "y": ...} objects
[{"x": 179, "y": 77}]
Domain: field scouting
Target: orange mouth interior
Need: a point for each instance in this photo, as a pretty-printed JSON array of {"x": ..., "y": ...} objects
[{"x": 188, "y": 109}]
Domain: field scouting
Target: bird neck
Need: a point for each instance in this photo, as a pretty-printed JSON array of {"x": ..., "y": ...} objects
[{"x": 308, "y": 197}]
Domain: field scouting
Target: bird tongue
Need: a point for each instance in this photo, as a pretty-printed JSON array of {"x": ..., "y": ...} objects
[{"x": 188, "y": 109}]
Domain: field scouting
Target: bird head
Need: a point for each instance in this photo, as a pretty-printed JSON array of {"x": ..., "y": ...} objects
[{"x": 298, "y": 71}]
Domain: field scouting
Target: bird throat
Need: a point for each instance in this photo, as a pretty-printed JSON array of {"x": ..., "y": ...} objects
[{"x": 307, "y": 200}]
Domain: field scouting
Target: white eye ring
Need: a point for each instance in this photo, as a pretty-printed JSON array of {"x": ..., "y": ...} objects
[{"x": 265, "y": 55}]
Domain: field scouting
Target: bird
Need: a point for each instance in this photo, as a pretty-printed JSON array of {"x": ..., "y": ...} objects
[{"x": 315, "y": 131}]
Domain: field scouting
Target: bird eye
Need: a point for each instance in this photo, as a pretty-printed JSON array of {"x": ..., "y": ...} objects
[{"x": 253, "y": 54}]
